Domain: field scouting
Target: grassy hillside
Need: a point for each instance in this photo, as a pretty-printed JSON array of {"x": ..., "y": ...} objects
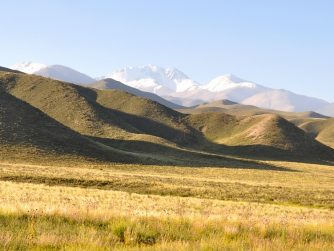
[
  {"x": 111, "y": 84},
  {"x": 115, "y": 119},
  {"x": 147, "y": 139},
  {"x": 321, "y": 129},
  {"x": 27, "y": 133},
  {"x": 110, "y": 123},
  {"x": 108, "y": 114},
  {"x": 267, "y": 133},
  {"x": 232, "y": 108},
  {"x": 245, "y": 121}
]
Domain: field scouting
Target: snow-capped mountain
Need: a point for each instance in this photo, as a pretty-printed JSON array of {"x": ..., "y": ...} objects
[
  {"x": 64, "y": 73},
  {"x": 227, "y": 81},
  {"x": 154, "y": 79},
  {"x": 232, "y": 88},
  {"x": 177, "y": 87},
  {"x": 58, "y": 72}
]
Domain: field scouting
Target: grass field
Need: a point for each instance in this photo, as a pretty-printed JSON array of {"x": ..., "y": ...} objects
[{"x": 132, "y": 207}]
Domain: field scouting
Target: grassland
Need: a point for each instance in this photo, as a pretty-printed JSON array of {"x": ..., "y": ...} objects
[
  {"x": 86, "y": 169},
  {"x": 138, "y": 207}
]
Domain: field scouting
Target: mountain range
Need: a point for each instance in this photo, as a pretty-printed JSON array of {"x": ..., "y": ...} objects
[
  {"x": 177, "y": 88},
  {"x": 46, "y": 118}
]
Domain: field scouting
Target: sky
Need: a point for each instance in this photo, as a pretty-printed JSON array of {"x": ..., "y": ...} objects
[{"x": 285, "y": 44}]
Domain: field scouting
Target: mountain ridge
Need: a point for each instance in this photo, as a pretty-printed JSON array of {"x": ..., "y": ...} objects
[
  {"x": 176, "y": 87},
  {"x": 117, "y": 120},
  {"x": 111, "y": 84}
]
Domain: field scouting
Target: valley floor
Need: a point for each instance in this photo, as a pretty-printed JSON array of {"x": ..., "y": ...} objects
[{"x": 133, "y": 207}]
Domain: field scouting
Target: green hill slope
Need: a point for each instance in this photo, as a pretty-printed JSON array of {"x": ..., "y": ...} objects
[
  {"x": 150, "y": 138},
  {"x": 321, "y": 129},
  {"x": 107, "y": 114},
  {"x": 268, "y": 133},
  {"x": 232, "y": 108},
  {"x": 27, "y": 133},
  {"x": 148, "y": 131},
  {"x": 111, "y": 84}
]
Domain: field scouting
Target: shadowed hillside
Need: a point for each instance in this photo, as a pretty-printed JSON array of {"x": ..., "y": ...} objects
[
  {"x": 27, "y": 133},
  {"x": 321, "y": 129},
  {"x": 270, "y": 133},
  {"x": 139, "y": 127},
  {"x": 111, "y": 84},
  {"x": 76, "y": 107},
  {"x": 107, "y": 114}
]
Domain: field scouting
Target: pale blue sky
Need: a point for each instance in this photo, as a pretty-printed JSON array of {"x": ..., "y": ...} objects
[{"x": 282, "y": 44}]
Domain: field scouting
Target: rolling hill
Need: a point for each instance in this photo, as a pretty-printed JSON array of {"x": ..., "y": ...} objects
[
  {"x": 143, "y": 130},
  {"x": 26, "y": 133},
  {"x": 320, "y": 129},
  {"x": 236, "y": 109},
  {"x": 265, "y": 133},
  {"x": 314, "y": 124},
  {"x": 111, "y": 84},
  {"x": 80, "y": 108},
  {"x": 121, "y": 122}
]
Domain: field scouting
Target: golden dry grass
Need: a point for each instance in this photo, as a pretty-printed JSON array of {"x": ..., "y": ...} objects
[{"x": 126, "y": 207}]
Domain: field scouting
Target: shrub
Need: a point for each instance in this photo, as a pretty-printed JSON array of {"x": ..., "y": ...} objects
[
  {"x": 146, "y": 237},
  {"x": 119, "y": 231}
]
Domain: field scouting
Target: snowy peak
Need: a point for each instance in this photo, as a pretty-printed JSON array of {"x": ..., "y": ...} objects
[
  {"x": 58, "y": 72},
  {"x": 177, "y": 87},
  {"x": 230, "y": 78},
  {"x": 63, "y": 73},
  {"x": 154, "y": 79},
  {"x": 226, "y": 82},
  {"x": 175, "y": 74},
  {"x": 28, "y": 67},
  {"x": 136, "y": 73}
]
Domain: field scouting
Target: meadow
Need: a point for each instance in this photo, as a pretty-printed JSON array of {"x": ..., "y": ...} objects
[{"x": 87, "y": 206}]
